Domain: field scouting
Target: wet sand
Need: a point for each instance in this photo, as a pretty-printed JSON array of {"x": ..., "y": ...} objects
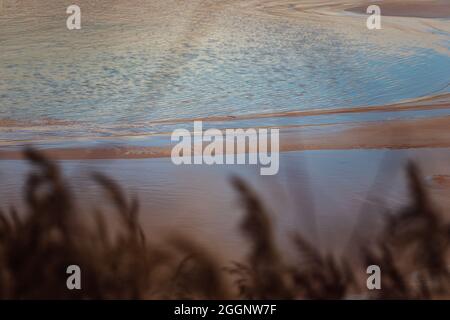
[
  {"x": 394, "y": 134},
  {"x": 398, "y": 128},
  {"x": 418, "y": 9}
]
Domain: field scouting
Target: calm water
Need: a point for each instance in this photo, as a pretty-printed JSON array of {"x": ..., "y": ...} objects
[
  {"x": 145, "y": 61},
  {"x": 327, "y": 195}
]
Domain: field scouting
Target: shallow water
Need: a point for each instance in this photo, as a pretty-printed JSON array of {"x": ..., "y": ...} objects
[
  {"x": 135, "y": 63},
  {"x": 326, "y": 195}
]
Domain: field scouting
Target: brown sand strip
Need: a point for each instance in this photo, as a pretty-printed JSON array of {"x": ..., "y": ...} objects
[
  {"x": 417, "y": 9},
  {"x": 394, "y": 134}
]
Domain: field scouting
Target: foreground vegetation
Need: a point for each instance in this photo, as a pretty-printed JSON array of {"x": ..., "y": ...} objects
[{"x": 36, "y": 246}]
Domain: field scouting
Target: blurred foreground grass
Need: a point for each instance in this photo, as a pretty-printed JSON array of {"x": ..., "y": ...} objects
[{"x": 36, "y": 246}]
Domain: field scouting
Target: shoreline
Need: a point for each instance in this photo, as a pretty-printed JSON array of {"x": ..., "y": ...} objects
[
  {"x": 431, "y": 102},
  {"x": 51, "y": 132},
  {"x": 433, "y": 9},
  {"x": 439, "y": 101},
  {"x": 391, "y": 134}
]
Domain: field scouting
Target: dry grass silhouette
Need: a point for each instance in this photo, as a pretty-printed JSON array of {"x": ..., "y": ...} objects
[{"x": 122, "y": 263}]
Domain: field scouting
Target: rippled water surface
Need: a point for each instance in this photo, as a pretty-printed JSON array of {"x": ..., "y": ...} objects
[{"x": 144, "y": 61}]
